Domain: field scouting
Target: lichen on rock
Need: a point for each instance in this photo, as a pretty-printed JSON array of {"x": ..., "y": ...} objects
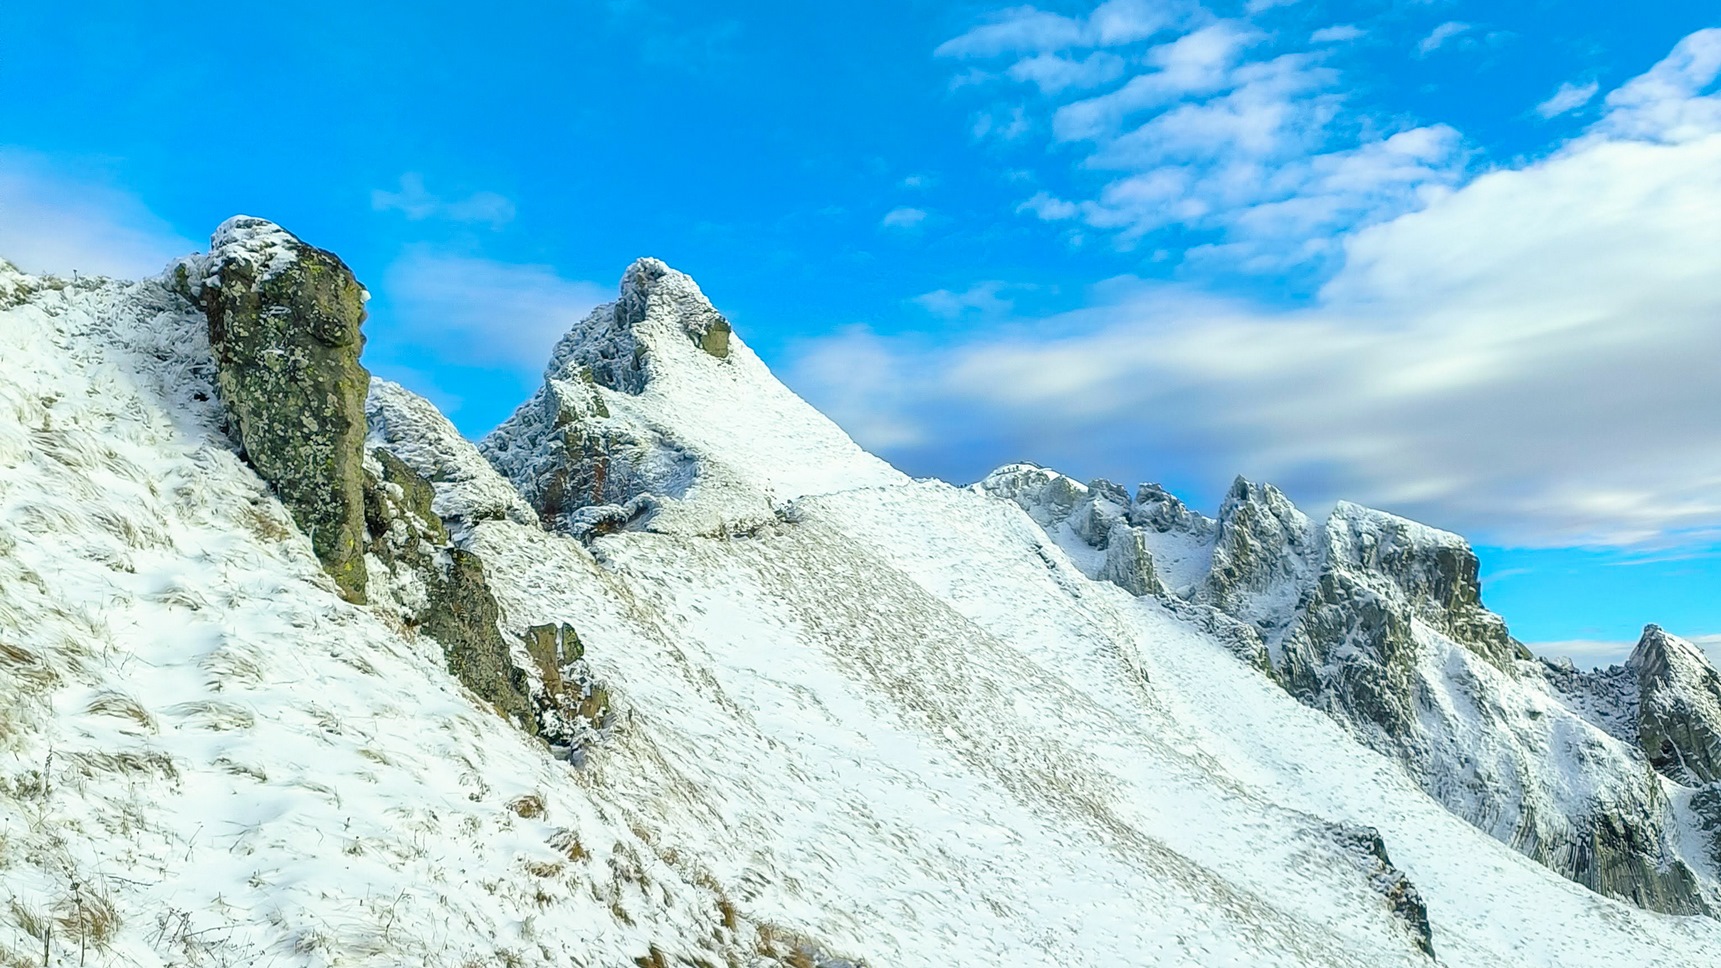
[
  {"x": 284, "y": 327},
  {"x": 436, "y": 588}
]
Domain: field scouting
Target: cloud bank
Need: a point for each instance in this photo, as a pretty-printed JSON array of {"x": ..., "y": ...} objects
[{"x": 1530, "y": 358}]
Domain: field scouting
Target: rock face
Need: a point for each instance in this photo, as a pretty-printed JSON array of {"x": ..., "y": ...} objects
[
  {"x": 284, "y": 323},
  {"x": 437, "y": 588},
  {"x": 1379, "y": 621},
  {"x": 1679, "y": 707},
  {"x": 431, "y": 488},
  {"x": 583, "y": 469},
  {"x": 655, "y": 416}
]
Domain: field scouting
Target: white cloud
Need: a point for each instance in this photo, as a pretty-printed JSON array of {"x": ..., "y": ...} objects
[
  {"x": 1336, "y": 34},
  {"x": 51, "y": 221},
  {"x": 1221, "y": 128},
  {"x": 1592, "y": 654},
  {"x": 1667, "y": 102},
  {"x": 1438, "y": 37},
  {"x": 983, "y": 298},
  {"x": 1027, "y": 30},
  {"x": 1017, "y": 29},
  {"x": 1711, "y": 646},
  {"x": 857, "y": 374},
  {"x": 1529, "y": 358},
  {"x": 903, "y": 218},
  {"x": 417, "y": 203},
  {"x": 1053, "y": 73},
  {"x": 1569, "y": 97},
  {"x": 1584, "y": 653},
  {"x": 469, "y": 311}
]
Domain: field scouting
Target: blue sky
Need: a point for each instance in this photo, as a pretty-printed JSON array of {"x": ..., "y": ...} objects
[{"x": 1454, "y": 259}]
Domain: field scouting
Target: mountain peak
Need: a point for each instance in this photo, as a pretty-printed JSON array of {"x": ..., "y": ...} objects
[{"x": 1679, "y": 703}]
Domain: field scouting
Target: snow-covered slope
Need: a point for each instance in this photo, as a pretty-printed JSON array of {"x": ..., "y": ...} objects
[
  {"x": 853, "y": 717},
  {"x": 1379, "y": 621}
]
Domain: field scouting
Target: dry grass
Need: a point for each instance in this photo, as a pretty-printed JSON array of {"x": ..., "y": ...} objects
[
  {"x": 121, "y": 706},
  {"x": 569, "y": 844},
  {"x": 528, "y": 807}
]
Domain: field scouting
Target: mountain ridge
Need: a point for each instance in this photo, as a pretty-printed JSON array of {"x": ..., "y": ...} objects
[{"x": 846, "y": 716}]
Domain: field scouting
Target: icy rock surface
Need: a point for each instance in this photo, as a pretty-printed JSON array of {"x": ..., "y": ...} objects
[
  {"x": 1678, "y": 708},
  {"x": 1379, "y": 621}
]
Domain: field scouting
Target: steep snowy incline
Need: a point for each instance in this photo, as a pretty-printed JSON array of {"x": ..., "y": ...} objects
[
  {"x": 889, "y": 703},
  {"x": 654, "y": 413},
  {"x": 208, "y": 758}
]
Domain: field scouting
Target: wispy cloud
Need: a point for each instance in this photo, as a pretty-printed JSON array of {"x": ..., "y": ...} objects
[
  {"x": 1675, "y": 100},
  {"x": 1441, "y": 35},
  {"x": 903, "y": 218},
  {"x": 1569, "y": 97},
  {"x": 1584, "y": 653},
  {"x": 1211, "y": 124},
  {"x": 1026, "y": 30},
  {"x": 417, "y": 203},
  {"x": 1336, "y": 34},
  {"x": 52, "y": 220},
  {"x": 1529, "y": 357},
  {"x": 471, "y": 311},
  {"x": 982, "y": 298}
]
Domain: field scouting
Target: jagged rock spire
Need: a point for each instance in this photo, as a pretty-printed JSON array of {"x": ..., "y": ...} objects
[{"x": 1679, "y": 707}]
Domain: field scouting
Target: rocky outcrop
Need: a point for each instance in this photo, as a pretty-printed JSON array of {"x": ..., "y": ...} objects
[
  {"x": 1379, "y": 621},
  {"x": 571, "y": 703},
  {"x": 284, "y": 322},
  {"x": 584, "y": 470},
  {"x": 436, "y": 588},
  {"x": 1367, "y": 851},
  {"x": 431, "y": 490},
  {"x": 1678, "y": 708}
]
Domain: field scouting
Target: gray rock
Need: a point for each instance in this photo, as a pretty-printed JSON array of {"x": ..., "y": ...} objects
[
  {"x": 1367, "y": 851},
  {"x": 1679, "y": 707},
  {"x": 284, "y": 322}
]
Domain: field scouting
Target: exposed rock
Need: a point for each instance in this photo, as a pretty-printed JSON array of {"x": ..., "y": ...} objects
[
  {"x": 1623, "y": 857},
  {"x": 1368, "y": 851},
  {"x": 462, "y": 616},
  {"x": 1679, "y": 707},
  {"x": 437, "y": 588},
  {"x": 1129, "y": 563},
  {"x": 571, "y": 704},
  {"x": 1264, "y": 551},
  {"x": 284, "y": 323},
  {"x": 589, "y": 451},
  {"x": 466, "y": 488},
  {"x": 583, "y": 472}
]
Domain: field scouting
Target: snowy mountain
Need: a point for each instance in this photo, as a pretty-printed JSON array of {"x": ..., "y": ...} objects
[{"x": 667, "y": 671}]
